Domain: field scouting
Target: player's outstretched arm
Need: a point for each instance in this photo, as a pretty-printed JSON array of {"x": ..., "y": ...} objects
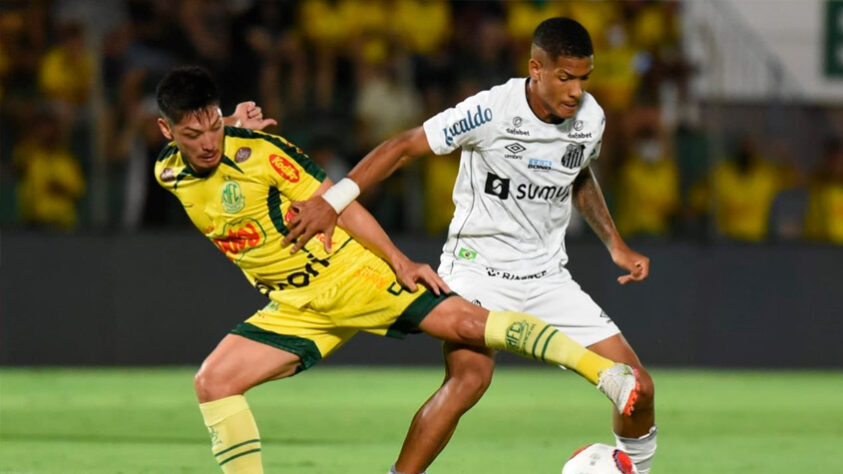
[
  {"x": 389, "y": 156},
  {"x": 588, "y": 198},
  {"x": 361, "y": 225},
  {"x": 319, "y": 213},
  {"x": 248, "y": 115}
]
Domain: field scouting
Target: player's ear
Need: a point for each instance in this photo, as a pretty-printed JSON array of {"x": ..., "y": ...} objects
[
  {"x": 165, "y": 129},
  {"x": 534, "y": 67}
]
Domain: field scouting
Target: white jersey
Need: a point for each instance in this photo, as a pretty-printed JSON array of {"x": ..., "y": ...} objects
[{"x": 513, "y": 191}]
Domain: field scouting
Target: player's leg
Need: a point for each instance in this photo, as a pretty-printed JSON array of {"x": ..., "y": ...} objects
[
  {"x": 457, "y": 320},
  {"x": 635, "y": 434},
  {"x": 468, "y": 373},
  {"x": 233, "y": 367},
  {"x": 561, "y": 302},
  {"x": 378, "y": 304}
]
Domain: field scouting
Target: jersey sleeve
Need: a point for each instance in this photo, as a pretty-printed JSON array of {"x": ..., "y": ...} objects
[
  {"x": 164, "y": 169},
  {"x": 290, "y": 170},
  {"x": 597, "y": 144},
  {"x": 464, "y": 125}
]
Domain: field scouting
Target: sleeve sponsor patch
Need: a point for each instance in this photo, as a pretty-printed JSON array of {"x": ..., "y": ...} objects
[{"x": 473, "y": 119}]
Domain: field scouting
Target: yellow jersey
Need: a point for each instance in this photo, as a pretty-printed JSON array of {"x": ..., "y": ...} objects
[
  {"x": 824, "y": 218},
  {"x": 50, "y": 186},
  {"x": 743, "y": 200},
  {"x": 649, "y": 196},
  {"x": 243, "y": 207}
]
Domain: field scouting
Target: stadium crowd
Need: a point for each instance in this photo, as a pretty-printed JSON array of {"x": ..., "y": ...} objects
[{"x": 78, "y": 137}]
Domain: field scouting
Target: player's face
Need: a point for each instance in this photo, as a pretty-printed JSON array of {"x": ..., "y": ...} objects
[
  {"x": 199, "y": 137},
  {"x": 559, "y": 84}
]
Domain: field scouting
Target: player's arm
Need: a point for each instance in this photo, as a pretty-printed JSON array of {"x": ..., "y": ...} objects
[
  {"x": 361, "y": 225},
  {"x": 366, "y": 230},
  {"x": 589, "y": 201},
  {"x": 389, "y": 156},
  {"x": 319, "y": 213}
]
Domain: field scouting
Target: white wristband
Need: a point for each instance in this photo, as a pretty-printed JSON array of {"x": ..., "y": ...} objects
[{"x": 341, "y": 194}]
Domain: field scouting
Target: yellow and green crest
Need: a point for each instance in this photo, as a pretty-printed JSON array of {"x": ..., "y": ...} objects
[{"x": 233, "y": 200}]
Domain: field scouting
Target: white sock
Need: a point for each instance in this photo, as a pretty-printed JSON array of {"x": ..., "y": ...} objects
[
  {"x": 392, "y": 470},
  {"x": 640, "y": 450}
]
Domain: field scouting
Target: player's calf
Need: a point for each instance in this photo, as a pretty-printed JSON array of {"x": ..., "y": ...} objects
[
  {"x": 235, "y": 441},
  {"x": 236, "y": 365},
  {"x": 531, "y": 337},
  {"x": 638, "y": 432},
  {"x": 460, "y": 321}
]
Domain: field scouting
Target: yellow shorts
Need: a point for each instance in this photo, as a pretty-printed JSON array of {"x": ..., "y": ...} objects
[{"x": 370, "y": 299}]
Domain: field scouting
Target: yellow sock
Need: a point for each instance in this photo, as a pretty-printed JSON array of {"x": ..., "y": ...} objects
[
  {"x": 235, "y": 441},
  {"x": 529, "y": 336}
]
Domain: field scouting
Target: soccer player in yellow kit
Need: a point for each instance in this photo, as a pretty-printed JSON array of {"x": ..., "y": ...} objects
[{"x": 237, "y": 186}]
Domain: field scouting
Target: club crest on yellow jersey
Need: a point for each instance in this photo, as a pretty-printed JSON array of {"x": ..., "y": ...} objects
[{"x": 232, "y": 199}]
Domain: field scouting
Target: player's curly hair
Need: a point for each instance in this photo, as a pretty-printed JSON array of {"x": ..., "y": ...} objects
[
  {"x": 563, "y": 37},
  {"x": 185, "y": 90}
]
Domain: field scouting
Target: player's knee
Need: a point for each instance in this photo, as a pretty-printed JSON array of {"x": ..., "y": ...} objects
[
  {"x": 211, "y": 384},
  {"x": 471, "y": 329},
  {"x": 646, "y": 391}
]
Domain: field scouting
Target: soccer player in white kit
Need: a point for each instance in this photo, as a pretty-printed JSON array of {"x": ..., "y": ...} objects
[{"x": 526, "y": 150}]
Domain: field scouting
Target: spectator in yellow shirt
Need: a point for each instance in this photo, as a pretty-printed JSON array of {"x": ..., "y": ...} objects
[
  {"x": 66, "y": 71},
  {"x": 824, "y": 219},
  {"x": 648, "y": 188},
  {"x": 741, "y": 193},
  {"x": 50, "y": 178}
]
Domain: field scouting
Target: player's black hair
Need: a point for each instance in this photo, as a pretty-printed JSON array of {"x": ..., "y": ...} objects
[
  {"x": 184, "y": 90},
  {"x": 563, "y": 37}
]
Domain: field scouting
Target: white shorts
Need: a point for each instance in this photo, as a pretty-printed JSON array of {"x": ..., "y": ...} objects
[{"x": 552, "y": 296}]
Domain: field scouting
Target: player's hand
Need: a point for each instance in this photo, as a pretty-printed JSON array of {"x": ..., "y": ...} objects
[
  {"x": 308, "y": 219},
  {"x": 638, "y": 265},
  {"x": 411, "y": 273},
  {"x": 250, "y": 116}
]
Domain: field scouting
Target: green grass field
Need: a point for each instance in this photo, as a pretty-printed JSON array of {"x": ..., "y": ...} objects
[{"x": 352, "y": 420}]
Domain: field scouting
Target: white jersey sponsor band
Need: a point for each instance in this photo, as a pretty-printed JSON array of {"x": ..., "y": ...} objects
[{"x": 513, "y": 190}]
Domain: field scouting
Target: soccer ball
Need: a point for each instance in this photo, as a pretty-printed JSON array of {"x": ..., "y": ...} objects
[{"x": 599, "y": 458}]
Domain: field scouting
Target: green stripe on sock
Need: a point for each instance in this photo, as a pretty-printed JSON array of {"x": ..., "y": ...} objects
[
  {"x": 257, "y": 440},
  {"x": 536, "y": 342},
  {"x": 241, "y": 454},
  {"x": 546, "y": 343}
]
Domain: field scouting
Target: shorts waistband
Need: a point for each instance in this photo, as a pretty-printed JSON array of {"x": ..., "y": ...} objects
[
  {"x": 449, "y": 268},
  {"x": 513, "y": 276}
]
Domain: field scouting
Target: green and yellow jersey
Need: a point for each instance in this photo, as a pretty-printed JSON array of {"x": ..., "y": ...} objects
[{"x": 243, "y": 206}]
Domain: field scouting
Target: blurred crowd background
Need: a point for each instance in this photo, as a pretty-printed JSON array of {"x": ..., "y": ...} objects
[{"x": 78, "y": 136}]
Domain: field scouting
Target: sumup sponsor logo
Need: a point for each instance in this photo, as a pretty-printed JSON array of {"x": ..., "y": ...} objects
[
  {"x": 534, "y": 192},
  {"x": 501, "y": 188},
  {"x": 497, "y": 186},
  {"x": 470, "y": 122}
]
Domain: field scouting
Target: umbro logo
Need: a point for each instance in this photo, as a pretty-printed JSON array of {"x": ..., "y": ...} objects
[{"x": 515, "y": 148}]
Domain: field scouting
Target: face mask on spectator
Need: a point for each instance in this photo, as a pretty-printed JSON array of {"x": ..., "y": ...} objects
[{"x": 649, "y": 150}]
